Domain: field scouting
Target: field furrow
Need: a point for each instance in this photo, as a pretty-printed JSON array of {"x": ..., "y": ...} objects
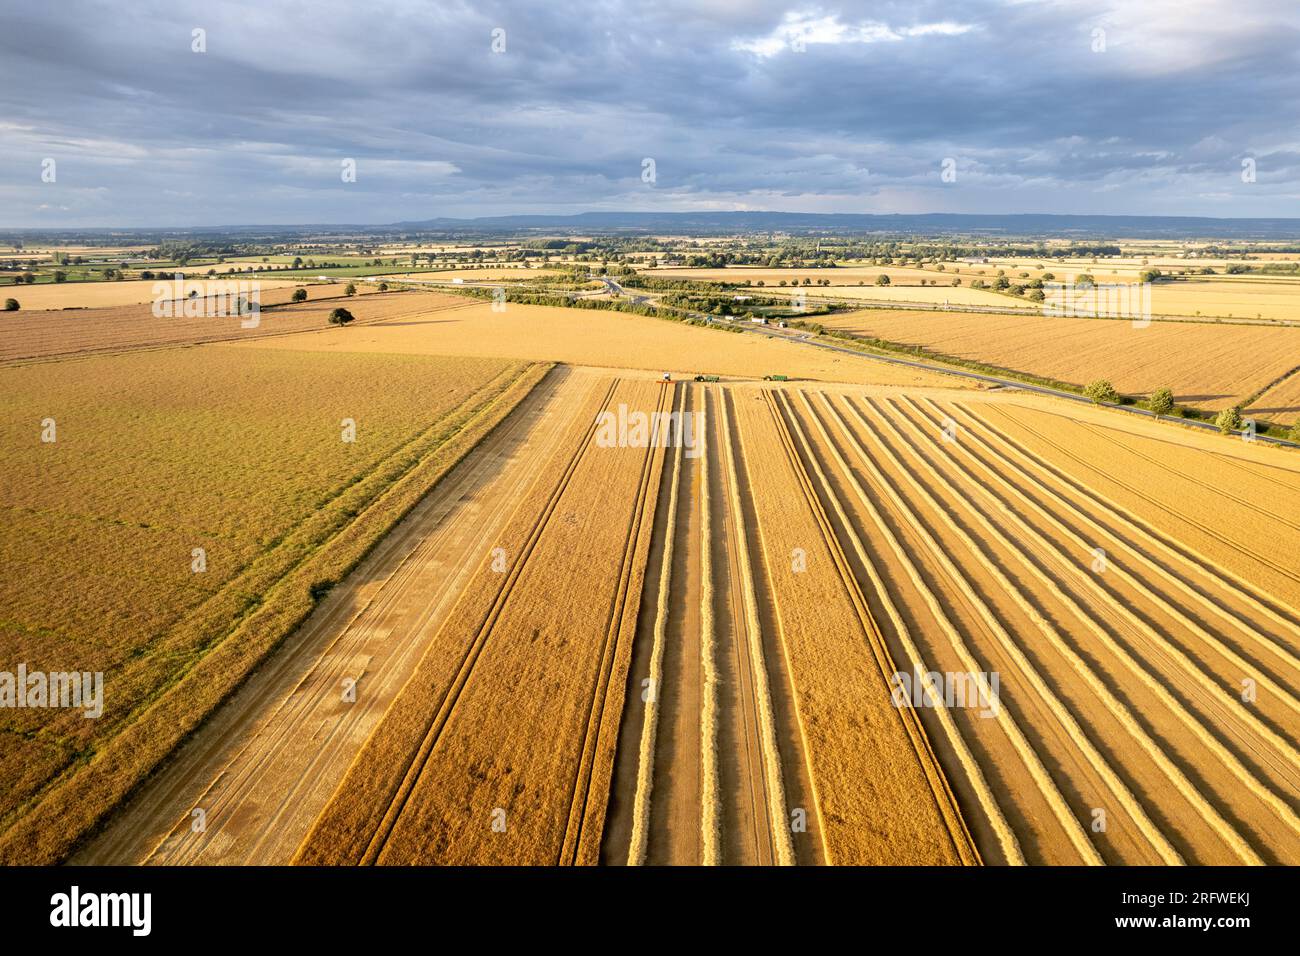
[
  {"x": 1190, "y": 709},
  {"x": 522, "y": 810}
]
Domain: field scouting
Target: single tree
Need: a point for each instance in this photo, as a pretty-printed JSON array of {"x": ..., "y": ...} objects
[
  {"x": 60, "y": 276},
  {"x": 882, "y": 280},
  {"x": 350, "y": 289},
  {"x": 1101, "y": 391},
  {"x": 1161, "y": 402},
  {"x": 299, "y": 295},
  {"x": 11, "y": 305},
  {"x": 1229, "y": 420},
  {"x": 340, "y": 317}
]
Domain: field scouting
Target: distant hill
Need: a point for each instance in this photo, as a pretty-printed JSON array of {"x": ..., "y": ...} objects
[
  {"x": 928, "y": 225},
  {"x": 931, "y": 224}
]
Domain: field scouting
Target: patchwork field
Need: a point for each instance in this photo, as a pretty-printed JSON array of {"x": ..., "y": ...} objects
[
  {"x": 943, "y": 294},
  {"x": 1208, "y": 366},
  {"x": 1222, "y": 296},
  {"x": 1281, "y": 403},
  {"x": 868, "y": 616},
  {"x": 98, "y": 295},
  {"x": 29, "y": 335},
  {"x": 720, "y": 684},
  {"x": 281, "y": 468},
  {"x": 478, "y": 275}
]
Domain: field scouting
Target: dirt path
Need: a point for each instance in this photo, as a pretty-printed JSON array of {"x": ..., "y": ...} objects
[{"x": 265, "y": 765}]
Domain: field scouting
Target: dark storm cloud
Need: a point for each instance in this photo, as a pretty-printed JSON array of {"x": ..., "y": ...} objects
[{"x": 817, "y": 107}]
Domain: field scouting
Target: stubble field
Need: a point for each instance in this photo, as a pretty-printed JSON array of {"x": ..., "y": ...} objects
[
  {"x": 657, "y": 651},
  {"x": 35, "y": 335},
  {"x": 824, "y": 541},
  {"x": 603, "y": 339},
  {"x": 1207, "y": 365},
  {"x": 149, "y": 456}
]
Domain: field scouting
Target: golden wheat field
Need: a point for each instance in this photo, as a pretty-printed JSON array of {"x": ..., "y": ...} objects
[
  {"x": 31, "y": 335},
  {"x": 807, "y": 556},
  {"x": 604, "y": 339},
  {"x": 943, "y": 294},
  {"x": 1281, "y": 403},
  {"x": 1207, "y": 365},
  {"x": 188, "y": 506},
  {"x": 96, "y": 295},
  {"x": 868, "y": 616}
]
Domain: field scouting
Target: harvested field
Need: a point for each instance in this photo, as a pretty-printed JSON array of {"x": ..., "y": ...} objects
[
  {"x": 32, "y": 335},
  {"x": 265, "y": 766},
  {"x": 452, "y": 774},
  {"x": 942, "y": 294},
  {"x": 1208, "y": 366},
  {"x": 603, "y": 338},
  {"x": 1118, "y": 687},
  {"x": 101, "y": 295},
  {"x": 158, "y": 454},
  {"x": 1117, "y": 691},
  {"x": 720, "y": 683},
  {"x": 1281, "y": 403}
]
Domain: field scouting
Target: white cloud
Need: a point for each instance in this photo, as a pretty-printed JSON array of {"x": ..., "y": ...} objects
[{"x": 808, "y": 29}]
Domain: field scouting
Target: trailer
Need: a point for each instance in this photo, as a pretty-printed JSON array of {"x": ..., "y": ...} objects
[{"x": 707, "y": 378}]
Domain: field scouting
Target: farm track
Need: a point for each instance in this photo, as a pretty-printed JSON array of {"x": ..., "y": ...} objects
[{"x": 268, "y": 761}]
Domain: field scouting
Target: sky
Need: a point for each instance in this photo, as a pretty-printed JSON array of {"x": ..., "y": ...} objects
[{"x": 183, "y": 113}]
